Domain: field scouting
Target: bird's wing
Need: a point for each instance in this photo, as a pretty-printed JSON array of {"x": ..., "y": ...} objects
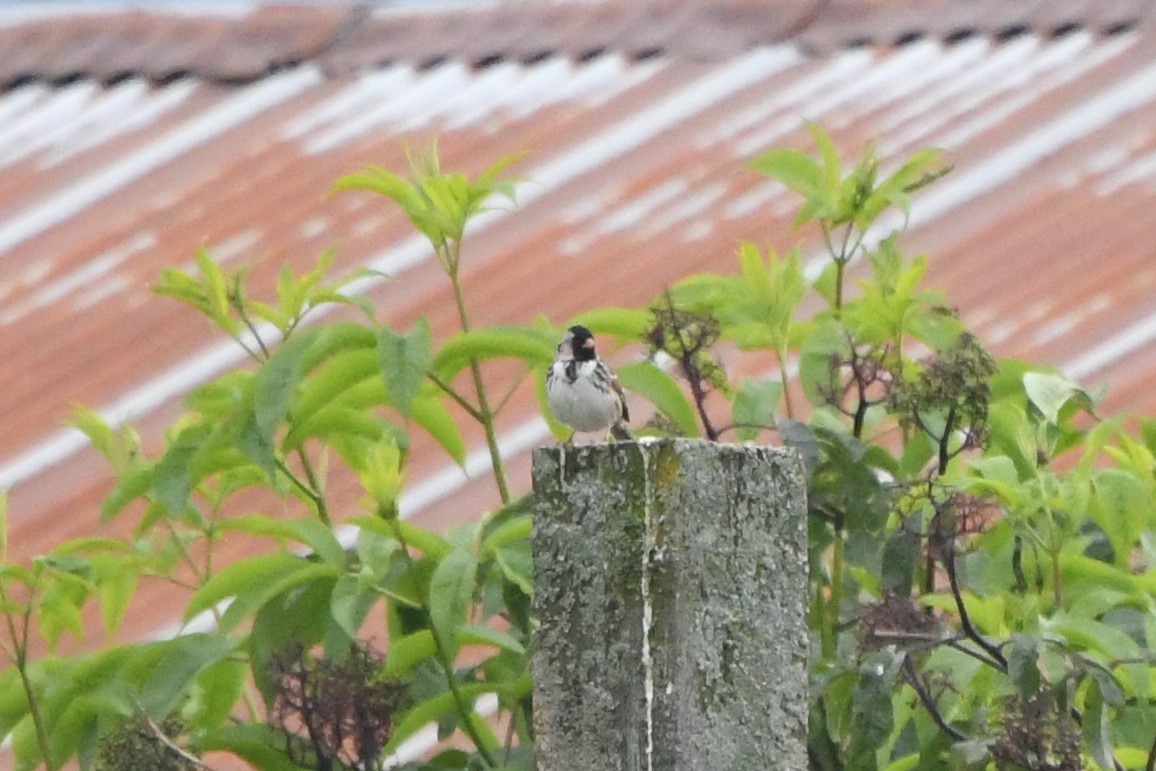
[{"x": 621, "y": 395}]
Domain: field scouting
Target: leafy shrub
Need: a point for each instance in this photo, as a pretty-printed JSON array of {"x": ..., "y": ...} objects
[{"x": 981, "y": 540}]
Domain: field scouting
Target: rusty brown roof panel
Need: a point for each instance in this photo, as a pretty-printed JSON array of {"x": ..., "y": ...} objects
[
  {"x": 237, "y": 43},
  {"x": 845, "y": 23},
  {"x": 635, "y": 177}
]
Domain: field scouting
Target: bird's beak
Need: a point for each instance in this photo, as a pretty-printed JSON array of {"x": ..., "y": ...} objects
[{"x": 589, "y": 343}]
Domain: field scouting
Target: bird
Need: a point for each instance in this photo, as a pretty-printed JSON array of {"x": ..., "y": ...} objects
[{"x": 583, "y": 391}]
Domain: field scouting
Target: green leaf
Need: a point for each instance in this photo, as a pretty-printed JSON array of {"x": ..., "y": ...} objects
[
  {"x": 513, "y": 530},
  {"x": 403, "y": 361},
  {"x": 429, "y": 411},
  {"x": 824, "y": 347},
  {"x": 351, "y": 601},
  {"x": 299, "y": 616},
  {"x": 872, "y": 714},
  {"x": 257, "y": 743},
  {"x": 901, "y": 554},
  {"x": 344, "y": 371},
  {"x": 921, "y": 169},
  {"x": 98, "y": 431},
  {"x": 832, "y": 170},
  {"x": 275, "y": 383},
  {"x": 407, "y": 652},
  {"x": 172, "y": 476},
  {"x": 1012, "y": 433},
  {"x": 336, "y": 424},
  {"x": 794, "y": 169},
  {"x": 216, "y": 289},
  {"x": 307, "y": 530},
  {"x": 528, "y": 345},
  {"x": 473, "y": 634},
  {"x": 1049, "y": 393},
  {"x": 116, "y": 590},
  {"x": 484, "y": 731},
  {"x": 517, "y": 565},
  {"x": 380, "y": 472},
  {"x": 451, "y": 592},
  {"x": 215, "y": 692},
  {"x": 430, "y": 710},
  {"x": 183, "y": 660},
  {"x": 802, "y": 439},
  {"x": 182, "y": 287},
  {"x": 1023, "y": 666},
  {"x": 385, "y": 183},
  {"x": 58, "y": 615},
  {"x": 663, "y": 392},
  {"x": 917, "y": 452},
  {"x": 623, "y": 323},
  {"x": 255, "y": 578},
  {"x": 427, "y": 542},
  {"x": 755, "y": 406},
  {"x": 1097, "y": 726},
  {"x": 1120, "y": 505}
]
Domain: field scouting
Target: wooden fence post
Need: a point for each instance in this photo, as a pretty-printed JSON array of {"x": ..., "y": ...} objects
[{"x": 670, "y": 582}]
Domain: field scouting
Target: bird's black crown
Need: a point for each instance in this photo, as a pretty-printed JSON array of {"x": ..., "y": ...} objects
[{"x": 582, "y": 342}]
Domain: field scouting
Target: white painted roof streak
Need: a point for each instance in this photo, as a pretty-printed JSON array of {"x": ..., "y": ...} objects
[
  {"x": 812, "y": 95},
  {"x": 231, "y": 112},
  {"x": 619, "y": 139}
]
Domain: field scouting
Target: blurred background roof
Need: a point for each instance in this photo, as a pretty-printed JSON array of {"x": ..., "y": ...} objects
[{"x": 129, "y": 136}]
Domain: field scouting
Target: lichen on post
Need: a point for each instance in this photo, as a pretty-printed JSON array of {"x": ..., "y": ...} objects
[{"x": 670, "y": 588}]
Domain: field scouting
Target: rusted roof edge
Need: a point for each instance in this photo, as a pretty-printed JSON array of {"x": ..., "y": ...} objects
[{"x": 340, "y": 40}]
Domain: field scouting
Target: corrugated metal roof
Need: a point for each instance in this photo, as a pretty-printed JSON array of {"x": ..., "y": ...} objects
[{"x": 129, "y": 138}]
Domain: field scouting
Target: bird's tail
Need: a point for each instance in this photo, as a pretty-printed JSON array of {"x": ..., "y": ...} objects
[{"x": 621, "y": 433}]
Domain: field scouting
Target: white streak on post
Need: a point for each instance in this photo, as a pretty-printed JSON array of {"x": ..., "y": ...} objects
[{"x": 648, "y": 553}]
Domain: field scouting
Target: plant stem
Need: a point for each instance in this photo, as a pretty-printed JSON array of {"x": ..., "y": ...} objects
[
  {"x": 20, "y": 660},
  {"x": 835, "y": 600},
  {"x": 965, "y": 619},
  {"x": 485, "y": 414},
  {"x": 322, "y": 504},
  {"x": 447, "y": 666},
  {"x": 840, "y": 271},
  {"x": 464, "y": 709},
  {"x": 916, "y": 682},
  {"x": 945, "y": 440},
  {"x": 460, "y": 400},
  {"x": 785, "y": 380},
  {"x": 313, "y": 495}
]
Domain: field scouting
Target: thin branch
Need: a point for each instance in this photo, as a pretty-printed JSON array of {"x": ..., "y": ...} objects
[
  {"x": 309, "y": 492},
  {"x": 442, "y": 656},
  {"x": 511, "y": 390},
  {"x": 964, "y": 618},
  {"x": 693, "y": 376},
  {"x": 945, "y": 440},
  {"x": 860, "y": 417},
  {"x": 160, "y": 736},
  {"x": 311, "y": 476},
  {"x": 239, "y": 306},
  {"x": 486, "y": 415},
  {"x": 20, "y": 661},
  {"x": 458, "y": 398},
  {"x": 916, "y": 682},
  {"x": 510, "y": 737},
  {"x": 957, "y": 645}
]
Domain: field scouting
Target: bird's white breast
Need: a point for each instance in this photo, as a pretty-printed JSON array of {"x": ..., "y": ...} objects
[{"x": 580, "y": 403}]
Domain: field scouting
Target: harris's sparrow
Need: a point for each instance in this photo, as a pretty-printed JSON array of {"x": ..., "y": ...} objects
[{"x": 582, "y": 390}]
